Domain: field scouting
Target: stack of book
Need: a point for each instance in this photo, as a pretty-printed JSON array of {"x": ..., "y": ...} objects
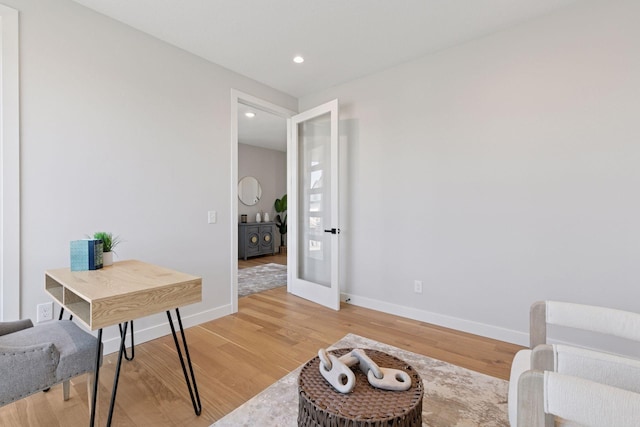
[{"x": 86, "y": 254}]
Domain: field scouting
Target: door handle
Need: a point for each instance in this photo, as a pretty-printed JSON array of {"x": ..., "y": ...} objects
[{"x": 333, "y": 231}]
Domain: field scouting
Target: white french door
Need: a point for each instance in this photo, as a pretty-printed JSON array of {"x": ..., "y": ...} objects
[{"x": 313, "y": 205}]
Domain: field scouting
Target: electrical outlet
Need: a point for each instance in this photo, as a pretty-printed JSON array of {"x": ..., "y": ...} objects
[
  {"x": 45, "y": 312},
  {"x": 417, "y": 286}
]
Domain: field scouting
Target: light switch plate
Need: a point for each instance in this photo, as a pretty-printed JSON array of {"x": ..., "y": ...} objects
[{"x": 212, "y": 217}]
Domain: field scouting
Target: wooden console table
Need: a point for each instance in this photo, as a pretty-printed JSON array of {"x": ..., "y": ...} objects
[{"x": 118, "y": 294}]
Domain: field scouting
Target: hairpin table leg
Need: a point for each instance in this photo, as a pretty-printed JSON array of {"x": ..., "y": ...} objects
[
  {"x": 193, "y": 391},
  {"x": 95, "y": 379},
  {"x": 123, "y": 335},
  {"x": 126, "y": 356},
  {"x": 62, "y": 312}
]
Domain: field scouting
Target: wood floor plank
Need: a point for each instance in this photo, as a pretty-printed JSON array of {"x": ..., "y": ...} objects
[{"x": 237, "y": 356}]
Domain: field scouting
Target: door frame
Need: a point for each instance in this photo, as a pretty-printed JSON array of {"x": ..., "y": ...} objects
[
  {"x": 260, "y": 104},
  {"x": 10, "y": 159}
]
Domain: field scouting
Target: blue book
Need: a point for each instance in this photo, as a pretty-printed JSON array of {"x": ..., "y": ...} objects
[
  {"x": 86, "y": 254},
  {"x": 97, "y": 250}
]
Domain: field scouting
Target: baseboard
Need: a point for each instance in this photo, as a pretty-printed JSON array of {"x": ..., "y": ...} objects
[
  {"x": 162, "y": 329},
  {"x": 459, "y": 324}
]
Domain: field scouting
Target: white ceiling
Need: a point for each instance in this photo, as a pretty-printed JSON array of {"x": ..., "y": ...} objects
[
  {"x": 340, "y": 39},
  {"x": 264, "y": 130}
]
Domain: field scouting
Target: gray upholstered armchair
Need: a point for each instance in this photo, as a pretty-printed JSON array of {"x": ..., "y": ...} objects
[{"x": 35, "y": 358}]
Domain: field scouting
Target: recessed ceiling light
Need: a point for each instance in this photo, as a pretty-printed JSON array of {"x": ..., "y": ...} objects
[
  {"x": 250, "y": 114},
  {"x": 298, "y": 59}
]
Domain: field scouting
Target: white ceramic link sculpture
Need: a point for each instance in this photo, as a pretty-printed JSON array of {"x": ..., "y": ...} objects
[{"x": 337, "y": 372}]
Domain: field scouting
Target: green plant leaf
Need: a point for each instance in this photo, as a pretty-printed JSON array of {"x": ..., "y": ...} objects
[
  {"x": 108, "y": 240},
  {"x": 281, "y": 221},
  {"x": 281, "y": 204}
]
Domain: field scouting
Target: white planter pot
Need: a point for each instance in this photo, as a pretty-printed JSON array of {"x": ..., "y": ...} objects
[{"x": 107, "y": 259}]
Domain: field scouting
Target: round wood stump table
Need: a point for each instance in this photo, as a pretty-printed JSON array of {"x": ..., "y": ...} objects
[{"x": 320, "y": 405}]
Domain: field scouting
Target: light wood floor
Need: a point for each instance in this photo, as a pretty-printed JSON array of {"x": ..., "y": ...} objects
[
  {"x": 261, "y": 260},
  {"x": 237, "y": 356}
]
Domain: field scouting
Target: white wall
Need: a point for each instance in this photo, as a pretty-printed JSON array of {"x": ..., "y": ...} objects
[
  {"x": 269, "y": 167},
  {"x": 124, "y": 133},
  {"x": 499, "y": 172}
]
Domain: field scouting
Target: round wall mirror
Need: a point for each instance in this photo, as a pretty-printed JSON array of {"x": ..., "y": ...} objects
[{"x": 249, "y": 191}]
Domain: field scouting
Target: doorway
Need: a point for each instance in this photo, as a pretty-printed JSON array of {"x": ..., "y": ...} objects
[{"x": 259, "y": 177}]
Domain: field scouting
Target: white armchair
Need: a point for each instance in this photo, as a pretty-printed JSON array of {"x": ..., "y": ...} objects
[
  {"x": 574, "y": 361},
  {"x": 575, "y": 401}
]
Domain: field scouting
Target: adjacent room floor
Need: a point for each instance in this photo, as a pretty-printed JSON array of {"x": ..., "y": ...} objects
[{"x": 261, "y": 260}]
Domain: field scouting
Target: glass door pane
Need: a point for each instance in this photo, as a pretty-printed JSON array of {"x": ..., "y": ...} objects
[{"x": 314, "y": 202}]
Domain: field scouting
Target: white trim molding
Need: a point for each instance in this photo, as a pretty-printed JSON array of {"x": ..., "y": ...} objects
[
  {"x": 443, "y": 320},
  {"x": 10, "y": 158}
]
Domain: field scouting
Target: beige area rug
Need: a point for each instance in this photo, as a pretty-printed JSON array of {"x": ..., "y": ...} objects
[
  {"x": 453, "y": 396},
  {"x": 261, "y": 278}
]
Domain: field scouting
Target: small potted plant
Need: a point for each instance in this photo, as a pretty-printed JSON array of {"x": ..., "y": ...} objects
[
  {"x": 281, "y": 222},
  {"x": 108, "y": 243}
]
